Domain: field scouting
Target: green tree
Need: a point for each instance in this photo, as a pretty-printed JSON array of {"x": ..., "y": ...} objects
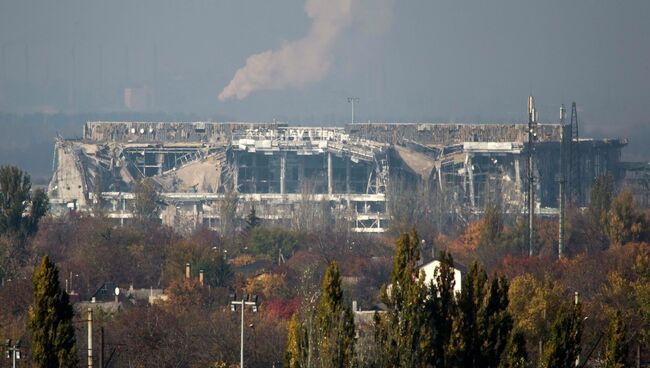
[
  {"x": 220, "y": 272},
  {"x": 616, "y": 347},
  {"x": 50, "y": 320},
  {"x": 405, "y": 299},
  {"x": 147, "y": 201},
  {"x": 20, "y": 209},
  {"x": 441, "y": 307},
  {"x": 271, "y": 242},
  {"x": 495, "y": 322},
  {"x": 14, "y": 193},
  {"x": 334, "y": 323},
  {"x": 464, "y": 350},
  {"x": 515, "y": 355},
  {"x": 481, "y": 328},
  {"x": 252, "y": 221},
  {"x": 563, "y": 347}
]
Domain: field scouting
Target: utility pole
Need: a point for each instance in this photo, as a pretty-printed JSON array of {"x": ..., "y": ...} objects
[
  {"x": 560, "y": 245},
  {"x": 352, "y": 101},
  {"x": 532, "y": 136},
  {"x": 12, "y": 351},
  {"x": 101, "y": 347},
  {"x": 233, "y": 307},
  {"x": 90, "y": 338}
]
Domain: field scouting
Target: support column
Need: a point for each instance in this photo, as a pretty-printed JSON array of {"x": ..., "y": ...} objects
[
  {"x": 330, "y": 181},
  {"x": 283, "y": 170},
  {"x": 470, "y": 172},
  {"x": 517, "y": 175},
  {"x": 347, "y": 176},
  {"x": 160, "y": 162},
  {"x": 235, "y": 175},
  {"x": 254, "y": 173}
]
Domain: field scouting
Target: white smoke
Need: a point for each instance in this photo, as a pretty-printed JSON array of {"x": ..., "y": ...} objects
[{"x": 298, "y": 62}]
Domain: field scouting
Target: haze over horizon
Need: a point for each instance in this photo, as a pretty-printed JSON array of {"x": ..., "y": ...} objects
[{"x": 409, "y": 61}]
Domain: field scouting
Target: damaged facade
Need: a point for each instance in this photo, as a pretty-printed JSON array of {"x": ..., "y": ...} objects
[{"x": 283, "y": 171}]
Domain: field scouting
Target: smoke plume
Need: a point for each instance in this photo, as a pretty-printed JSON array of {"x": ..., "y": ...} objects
[{"x": 298, "y": 62}]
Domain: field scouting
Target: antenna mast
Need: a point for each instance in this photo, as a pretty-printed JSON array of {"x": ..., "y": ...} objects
[
  {"x": 563, "y": 143},
  {"x": 575, "y": 172},
  {"x": 532, "y": 137}
]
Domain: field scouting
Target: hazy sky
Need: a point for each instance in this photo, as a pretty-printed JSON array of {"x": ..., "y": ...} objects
[{"x": 424, "y": 60}]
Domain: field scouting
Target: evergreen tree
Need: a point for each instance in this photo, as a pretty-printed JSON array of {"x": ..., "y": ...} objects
[
  {"x": 616, "y": 347},
  {"x": 495, "y": 322},
  {"x": 14, "y": 193},
  {"x": 409, "y": 333},
  {"x": 50, "y": 320},
  {"x": 515, "y": 355},
  {"x": 563, "y": 347},
  {"x": 252, "y": 221},
  {"x": 441, "y": 307},
  {"x": 294, "y": 351},
  {"x": 334, "y": 323},
  {"x": 16, "y": 199},
  {"x": 464, "y": 349}
]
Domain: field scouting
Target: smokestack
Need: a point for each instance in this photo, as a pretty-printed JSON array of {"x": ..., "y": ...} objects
[
  {"x": 201, "y": 279},
  {"x": 188, "y": 271}
]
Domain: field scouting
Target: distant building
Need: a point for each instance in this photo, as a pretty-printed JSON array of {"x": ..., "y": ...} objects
[
  {"x": 138, "y": 98},
  {"x": 287, "y": 171}
]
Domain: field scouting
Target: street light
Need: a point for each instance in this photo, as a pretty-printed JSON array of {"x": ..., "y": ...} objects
[
  {"x": 233, "y": 308},
  {"x": 13, "y": 352}
]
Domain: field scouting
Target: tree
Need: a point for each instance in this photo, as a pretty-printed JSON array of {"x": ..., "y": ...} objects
[
  {"x": 495, "y": 322},
  {"x": 601, "y": 198},
  {"x": 515, "y": 355},
  {"x": 440, "y": 305},
  {"x": 616, "y": 347},
  {"x": 534, "y": 304},
  {"x": 293, "y": 353},
  {"x": 271, "y": 242},
  {"x": 50, "y": 320},
  {"x": 492, "y": 227},
  {"x": 20, "y": 209},
  {"x": 625, "y": 223},
  {"x": 465, "y": 347},
  {"x": 252, "y": 221},
  {"x": 39, "y": 207},
  {"x": 228, "y": 211},
  {"x": 147, "y": 201},
  {"x": 405, "y": 299},
  {"x": 14, "y": 193},
  {"x": 563, "y": 347},
  {"x": 334, "y": 323}
]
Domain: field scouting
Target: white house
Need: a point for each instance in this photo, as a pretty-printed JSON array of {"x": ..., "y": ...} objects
[{"x": 430, "y": 268}]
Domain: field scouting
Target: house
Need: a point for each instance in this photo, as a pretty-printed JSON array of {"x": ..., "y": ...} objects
[{"x": 431, "y": 268}]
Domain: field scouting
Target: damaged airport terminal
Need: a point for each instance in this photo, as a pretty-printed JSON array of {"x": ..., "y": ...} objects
[{"x": 280, "y": 168}]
